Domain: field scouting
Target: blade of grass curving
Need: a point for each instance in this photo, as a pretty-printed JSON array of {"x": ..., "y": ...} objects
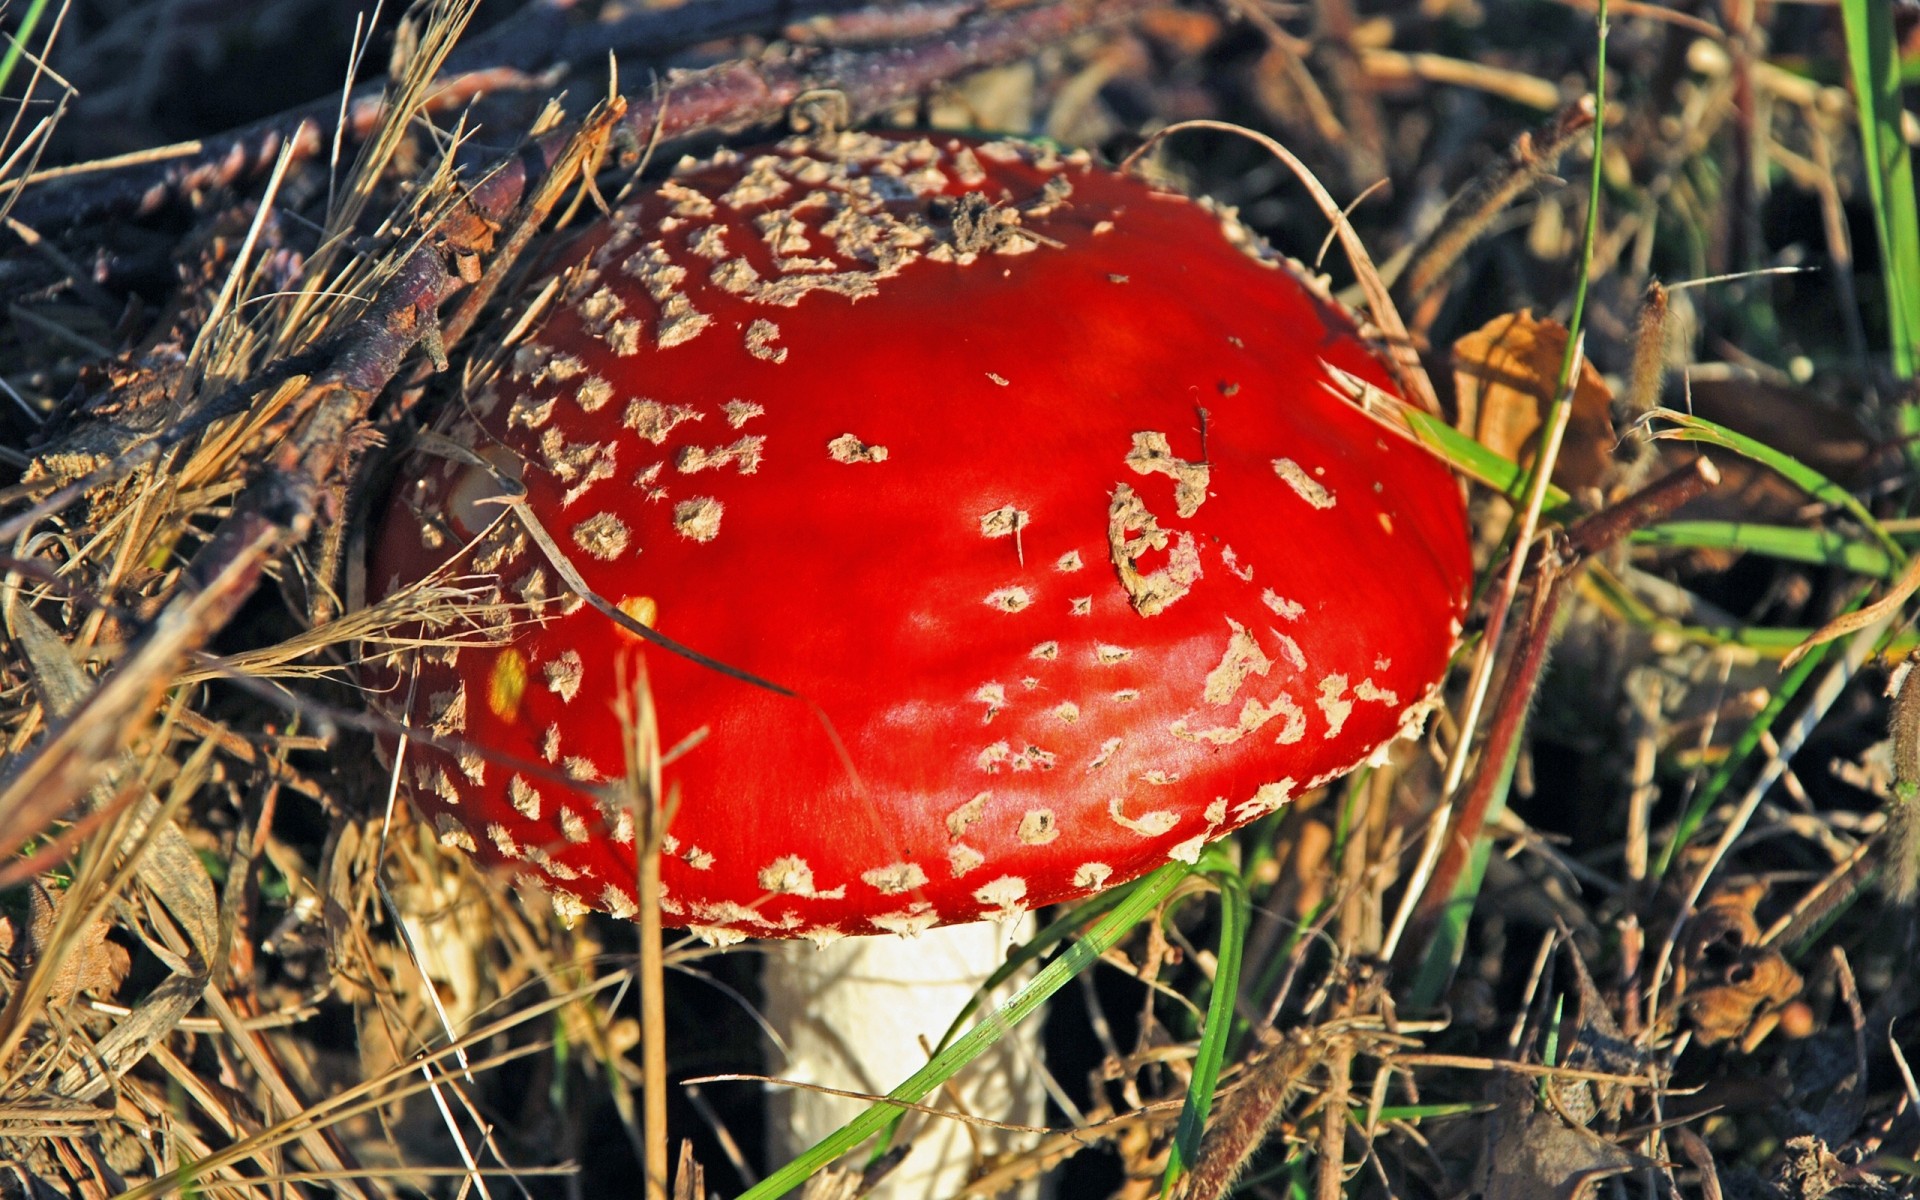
[
  {"x": 16, "y": 44},
  {"x": 1235, "y": 911},
  {"x": 1105, "y": 934},
  {"x": 1685, "y": 427},
  {"x": 1821, "y": 547},
  {"x": 1030, "y": 951},
  {"x": 1874, "y": 56},
  {"x": 1478, "y": 462}
]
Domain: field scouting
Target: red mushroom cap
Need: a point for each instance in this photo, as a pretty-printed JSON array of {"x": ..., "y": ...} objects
[{"x": 1024, "y": 472}]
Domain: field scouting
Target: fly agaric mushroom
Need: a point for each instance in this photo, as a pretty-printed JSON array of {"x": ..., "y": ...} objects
[{"x": 1023, "y": 473}]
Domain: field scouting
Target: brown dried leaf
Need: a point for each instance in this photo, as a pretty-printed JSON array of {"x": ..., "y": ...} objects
[
  {"x": 1534, "y": 1155},
  {"x": 1809, "y": 1171},
  {"x": 96, "y": 965},
  {"x": 1735, "y": 989},
  {"x": 1598, "y": 1044},
  {"x": 1504, "y": 375}
]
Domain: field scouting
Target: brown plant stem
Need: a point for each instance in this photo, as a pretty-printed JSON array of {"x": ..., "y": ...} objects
[
  {"x": 1557, "y": 567},
  {"x": 1902, "y": 836},
  {"x": 1331, "y": 1171}
]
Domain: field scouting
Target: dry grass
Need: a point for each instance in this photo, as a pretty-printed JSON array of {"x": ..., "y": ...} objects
[{"x": 233, "y": 964}]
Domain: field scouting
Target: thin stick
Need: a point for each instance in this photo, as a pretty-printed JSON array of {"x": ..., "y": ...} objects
[
  {"x": 650, "y": 821},
  {"x": 1509, "y": 587},
  {"x": 1527, "y": 161},
  {"x": 1404, "y": 360}
]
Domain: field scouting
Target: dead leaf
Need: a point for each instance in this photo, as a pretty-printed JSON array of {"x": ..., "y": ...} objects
[
  {"x": 1504, "y": 376},
  {"x": 1598, "y": 1044},
  {"x": 1734, "y": 988},
  {"x": 97, "y": 965},
  {"x": 1533, "y": 1154},
  {"x": 1809, "y": 1171}
]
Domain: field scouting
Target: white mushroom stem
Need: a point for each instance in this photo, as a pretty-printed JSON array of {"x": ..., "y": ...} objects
[{"x": 853, "y": 1015}]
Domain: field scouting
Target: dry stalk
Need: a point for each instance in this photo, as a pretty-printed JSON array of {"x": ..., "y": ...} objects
[
  {"x": 1402, "y": 358},
  {"x": 1331, "y": 1170},
  {"x": 651, "y": 814},
  {"x": 1556, "y": 570},
  {"x": 1527, "y": 161},
  {"x": 1902, "y": 836}
]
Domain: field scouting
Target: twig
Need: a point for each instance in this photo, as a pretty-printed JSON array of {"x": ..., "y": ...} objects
[
  {"x": 532, "y": 41},
  {"x": 1556, "y": 571},
  {"x": 1528, "y": 160}
]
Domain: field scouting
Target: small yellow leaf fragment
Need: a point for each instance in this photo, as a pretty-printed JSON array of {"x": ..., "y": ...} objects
[{"x": 507, "y": 684}]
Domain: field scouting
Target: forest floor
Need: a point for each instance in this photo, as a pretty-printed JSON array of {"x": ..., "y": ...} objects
[{"x": 1633, "y": 917}]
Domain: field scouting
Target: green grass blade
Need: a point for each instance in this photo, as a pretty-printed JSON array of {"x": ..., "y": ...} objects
[
  {"x": 1685, "y": 427},
  {"x": 16, "y": 45},
  {"x": 1106, "y": 933},
  {"x": 1420, "y": 1112},
  {"x": 1057, "y": 931},
  {"x": 1235, "y": 910},
  {"x": 1477, "y": 462},
  {"x": 1874, "y": 57},
  {"x": 1614, "y": 598},
  {"x": 1821, "y": 547}
]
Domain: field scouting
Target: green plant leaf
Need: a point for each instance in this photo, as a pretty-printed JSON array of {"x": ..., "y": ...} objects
[
  {"x": 1477, "y": 462},
  {"x": 1685, "y": 427},
  {"x": 1822, "y": 547},
  {"x": 1874, "y": 57},
  {"x": 1234, "y": 913}
]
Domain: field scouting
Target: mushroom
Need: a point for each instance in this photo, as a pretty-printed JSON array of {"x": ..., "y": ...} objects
[{"x": 1009, "y": 491}]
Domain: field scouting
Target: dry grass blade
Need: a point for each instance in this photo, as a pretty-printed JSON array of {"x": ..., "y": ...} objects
[
  {"x": 1402, "y": 356},
  {"x": 1528, "y": 160},
  {"x": 1505, "y": 593},
  {"x": 1864, "y": 617}
]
